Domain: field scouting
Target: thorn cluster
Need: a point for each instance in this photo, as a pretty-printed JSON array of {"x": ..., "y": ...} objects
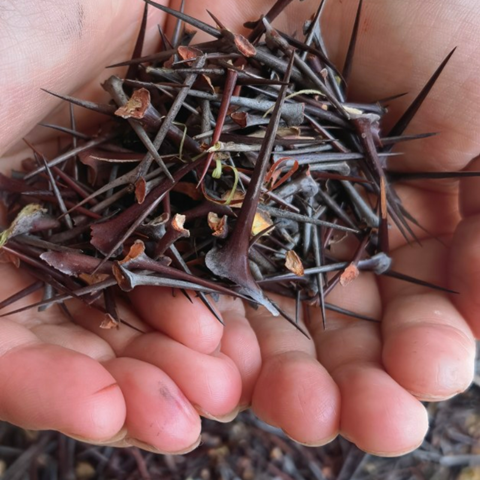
[{"x": 227, "y": 167}]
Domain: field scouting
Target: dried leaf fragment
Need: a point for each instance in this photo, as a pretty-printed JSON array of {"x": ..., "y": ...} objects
[
  {"x": 177, "y": 224},
  {"x": 109, "y": 323},
  {"x": 241, "y": 43},
  {"x": 136, "y": 106},
  {"x": 92, "y": 279},
  {"x": 140, "y": 190},
  {"x": 236, "y": 199},
  {"x": 218, "y": 225},
  {"x": 7, "y": 257},
  {"x": 24, "y": 222},
  {"x": 294, "y": 264},
  {"x": 188, "y": 53},
  {"x": 261, "y": 222},
  {"x": 136, "y": 251},
  {"x": 349, "y": 274}
]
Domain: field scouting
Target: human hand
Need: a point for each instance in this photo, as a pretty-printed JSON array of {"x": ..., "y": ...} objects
[{"x": 300, "y": 384}]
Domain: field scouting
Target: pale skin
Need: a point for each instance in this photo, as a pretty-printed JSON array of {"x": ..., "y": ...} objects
[{"x": 361, "y": 380}]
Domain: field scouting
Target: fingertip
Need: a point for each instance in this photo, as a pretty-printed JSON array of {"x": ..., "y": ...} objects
[
  {"x": 46, "y": 387},
  {"x": 209, "y": 381},
  {"x": 295, "y": 393},
  {"x": 158, "y": 414},
  {"x": 433, "y": 362},
  {"x": 464, "y": 270},
  {"x": 378, "y": 415}
]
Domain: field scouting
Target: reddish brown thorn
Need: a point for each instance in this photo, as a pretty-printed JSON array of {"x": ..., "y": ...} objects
[
  {"x": 109, "y": 236},
  {"x": 137, "y": 51},
  {"x": 21, "y": 294},
  {"x": 105, "y": 109},
  {"x": 187, "y": 19},
  {"x": 347, "y": 67},
  {"x": 231, "y": 261},
  {"x": 66, "y": 130},
  {"x": 258, "y": 27},
  {"x": 220, "y": 25},
  {"x": 416, "y": 281},
  {"x": 406, "y": 118},
  {"x": 230, "y": 82}
]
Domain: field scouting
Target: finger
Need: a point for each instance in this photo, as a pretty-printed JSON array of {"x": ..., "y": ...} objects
[
  {"x": 158, "y": 414},
  {"x": 46, "y": 387},
  {"x": 428, "y": 345},
  {"x": 211, "y": 383},
  {"x": 74, "y": 337},
  {"x": 464, "y": 260},
  {"x": 293, "y": 391},
  {"x": 91, "y": 319},
  {"x": 377, "y": 414},
  {"x": 186, "y": 321},
  {"x": 240, "y": 343},
  {"x": 52, "y": 326}
]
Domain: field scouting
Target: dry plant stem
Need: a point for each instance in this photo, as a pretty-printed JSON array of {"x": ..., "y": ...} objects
[
  {"x": 230, "y": 83},
  {"x": 311, "y": 32},
  {"x": 172, "y": 113},
  {"x": 231, "y": 260},
  {"x": 114, "y": 86},
  {"x": 259, "y": 28},
  {"x": 72, "y": 153}
]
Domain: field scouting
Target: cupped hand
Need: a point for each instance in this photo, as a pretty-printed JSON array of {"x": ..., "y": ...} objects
[{"x": 363, "y": 380}]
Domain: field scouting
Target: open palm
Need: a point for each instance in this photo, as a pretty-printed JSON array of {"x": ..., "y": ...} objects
[{"x": 357, "y": 378}]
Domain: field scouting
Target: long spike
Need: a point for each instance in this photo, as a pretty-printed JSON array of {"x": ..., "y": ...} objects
[
  {"x": 290, "y": 320},
  {"x": 347, "y": 67},
  {"x": 187, "y": 19},
  {"x": 21, "y": 294},
  {"x": 313, "y": 26},
  {"x": 137, "y": 50},
  {"x": 69, "y": 131},
  {"x": 96, "y": 107},
  {"x": 349, "y": 313},
  {"x": 407, "y": 117},
  {"x": 416, "y": 281},
  {"x": 176, "y": 36}
]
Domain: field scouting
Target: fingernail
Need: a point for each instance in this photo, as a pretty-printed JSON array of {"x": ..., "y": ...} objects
[
  {"x": 219, "y": 418},
  {"x": 392, "y": 454},
  {"x": 133, "y": 442},
  {"x": 382, "y": 453},
  {"x": 316, "y": 443},
  {"x": 116, "y": 438},
  {"x": 423, "y": 397}
]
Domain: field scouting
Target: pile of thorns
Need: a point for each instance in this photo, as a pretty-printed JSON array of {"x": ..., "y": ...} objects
[{"x": 229, "y": 167}]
